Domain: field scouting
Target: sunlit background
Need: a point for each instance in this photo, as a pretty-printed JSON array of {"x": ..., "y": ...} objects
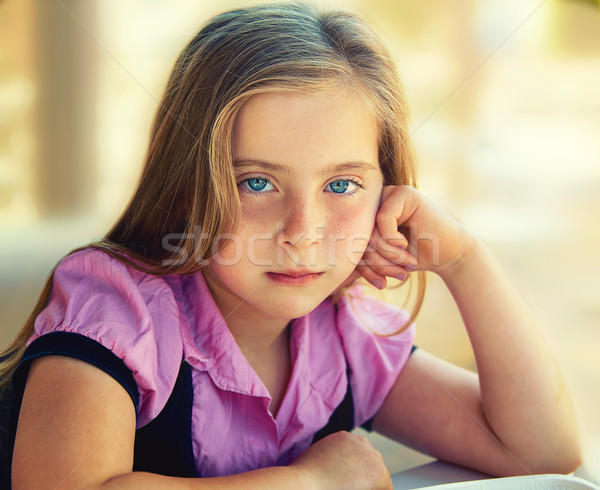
[{"x": 505, "y": 105}]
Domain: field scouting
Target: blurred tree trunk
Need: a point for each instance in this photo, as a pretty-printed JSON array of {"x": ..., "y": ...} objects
[{"x": 64, "y": 171}]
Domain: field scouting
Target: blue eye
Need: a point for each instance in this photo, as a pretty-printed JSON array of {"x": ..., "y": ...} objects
[
  {"x": 340, "y": 186},
  {"x": 255, "y": 184}
]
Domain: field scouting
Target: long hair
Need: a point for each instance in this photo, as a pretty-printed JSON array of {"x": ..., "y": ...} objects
[{"x": 187, "y": 188}]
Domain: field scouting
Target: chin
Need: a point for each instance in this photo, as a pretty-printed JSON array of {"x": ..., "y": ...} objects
[{"x": 296, "y": 307}]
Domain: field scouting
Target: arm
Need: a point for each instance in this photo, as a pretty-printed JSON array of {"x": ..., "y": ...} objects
[
  {"x": 520, "y": 397},
  {"x": 76, "y": 429},
  {"x": 523, "y": 394}
]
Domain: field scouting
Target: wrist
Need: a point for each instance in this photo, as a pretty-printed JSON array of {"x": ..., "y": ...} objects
[
  {"x": 462, "y": 259},
  {"x": 305, "y": 476}
]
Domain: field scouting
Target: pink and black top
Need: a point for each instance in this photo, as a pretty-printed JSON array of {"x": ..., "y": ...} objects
[{"x": 201, "y": 409}]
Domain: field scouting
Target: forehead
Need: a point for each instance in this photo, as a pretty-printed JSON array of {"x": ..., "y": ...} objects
[{"x": 313, "y": 129}]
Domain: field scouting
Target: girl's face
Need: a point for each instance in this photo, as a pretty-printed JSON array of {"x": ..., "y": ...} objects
[{"x": 309, "y": 184}]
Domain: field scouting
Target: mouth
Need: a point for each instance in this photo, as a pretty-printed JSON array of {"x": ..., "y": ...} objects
[
  {"x": 296, "y": 272},
  {"x": 294, "y": 277}
]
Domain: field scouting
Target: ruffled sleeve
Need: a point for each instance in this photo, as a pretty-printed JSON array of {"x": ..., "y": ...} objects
[
  {"x": 108, "y": 314},
  {"x": 374, "y": 361}
]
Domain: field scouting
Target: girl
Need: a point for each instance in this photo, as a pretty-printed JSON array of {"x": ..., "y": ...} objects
[{"x": 219, "y": 330}]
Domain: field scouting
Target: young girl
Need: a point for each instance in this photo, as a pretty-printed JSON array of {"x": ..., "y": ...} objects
[{"x": 219, "y": 331}]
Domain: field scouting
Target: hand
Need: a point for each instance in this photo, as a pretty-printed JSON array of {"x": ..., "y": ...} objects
[
  {"x": 345, "y": 461},
  {"x": 412, "y": 232}
]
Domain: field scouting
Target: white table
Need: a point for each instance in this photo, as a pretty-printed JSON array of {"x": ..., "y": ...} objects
[
  {"x": 438, "y": 473},
  {"x": 434, "y": 473}
]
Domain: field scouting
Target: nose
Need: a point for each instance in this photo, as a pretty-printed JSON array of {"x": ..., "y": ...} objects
[{"x": 303, "y": 224}]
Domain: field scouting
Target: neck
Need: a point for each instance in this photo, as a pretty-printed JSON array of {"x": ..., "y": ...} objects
[
  {"x": 263, "y": 340},
  {"x": 255, "y": 334},
  {"x": 255, "y": 339}
]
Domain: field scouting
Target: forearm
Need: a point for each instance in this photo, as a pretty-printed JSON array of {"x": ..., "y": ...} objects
[
  {"x": 279, "y": 477},
  {"x": 523, "y": 394}
]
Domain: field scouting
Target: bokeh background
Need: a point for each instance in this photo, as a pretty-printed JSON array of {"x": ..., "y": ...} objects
[{"x": 505, "y": 105}]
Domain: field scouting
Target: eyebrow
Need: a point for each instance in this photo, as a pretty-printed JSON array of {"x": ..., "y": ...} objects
[{"x": 290, "y": 172}]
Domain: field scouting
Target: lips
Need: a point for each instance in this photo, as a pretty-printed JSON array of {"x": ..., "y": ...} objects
[
  {"x": 294, "y": 278},
  {"x": 297, "y": 273}
]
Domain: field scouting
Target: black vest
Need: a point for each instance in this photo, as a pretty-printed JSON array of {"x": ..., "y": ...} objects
[{"x": 163, "y": 446}]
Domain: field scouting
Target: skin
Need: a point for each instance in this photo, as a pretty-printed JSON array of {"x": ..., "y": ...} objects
[
  {"x": 297, "y": 220},
  {"x": 501, "y": 422},
  {"x": 516, "y": 416},
  {"x": 293, "y": 221}
]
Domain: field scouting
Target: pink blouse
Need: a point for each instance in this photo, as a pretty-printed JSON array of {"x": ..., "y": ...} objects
[{"x": 153, "y": 323}]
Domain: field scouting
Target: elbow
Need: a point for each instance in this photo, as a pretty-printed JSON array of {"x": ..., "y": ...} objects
[
  {"x": 564, "y": 467},
  {"x": 570, "y": 457},
  {"x": 560, "y": 462},
  {"x": 569, "y": 463},
  {"x": 561, "y": 456},
  {"x": 575, "y": 461}
]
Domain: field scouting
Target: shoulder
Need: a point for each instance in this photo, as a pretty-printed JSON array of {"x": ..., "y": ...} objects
[
  {"x": 90, "y": 267},
  {"x": 92, "y": 291},
  {"x": 99, "y": 304}
]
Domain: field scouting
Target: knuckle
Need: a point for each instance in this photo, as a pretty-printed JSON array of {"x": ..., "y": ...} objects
[
  {"x": 395, "y": 254},
  {"x": 383, "y": 217},
  {"x": 342, "y": 435},
  {"x": 365, "y": 263}
]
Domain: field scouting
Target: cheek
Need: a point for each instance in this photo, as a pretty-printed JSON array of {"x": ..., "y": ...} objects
[
  {"x": 351, "y": 229},
  {"x": 255, "y": 225},
  {"x": 258, "y": 217},
  {"x": 228, "y": 250}
]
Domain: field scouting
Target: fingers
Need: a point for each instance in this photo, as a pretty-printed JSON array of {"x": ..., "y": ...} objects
[
  {"x": 398, "y": 203},
  {"x": 374, "y": 267},
  {"x": 389, "y": 252},
  {"x": 398, "y": 255},
  {"x": 345, "y": 460},
  {"x": 386, "y": 257}
]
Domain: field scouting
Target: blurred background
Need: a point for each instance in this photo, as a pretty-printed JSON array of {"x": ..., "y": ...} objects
[{"x": 505, "y": 105}]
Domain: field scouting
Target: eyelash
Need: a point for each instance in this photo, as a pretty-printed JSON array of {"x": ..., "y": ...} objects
[{"x": 343, "y": 194}]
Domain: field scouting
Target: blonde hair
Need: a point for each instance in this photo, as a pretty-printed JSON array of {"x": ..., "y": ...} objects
[{"x": 188, "y": 184}]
